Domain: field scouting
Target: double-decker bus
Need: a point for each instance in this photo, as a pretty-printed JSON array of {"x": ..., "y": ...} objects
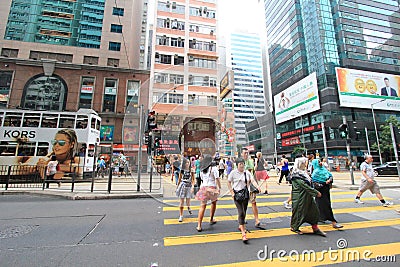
[{"x": 29, "y": 137}]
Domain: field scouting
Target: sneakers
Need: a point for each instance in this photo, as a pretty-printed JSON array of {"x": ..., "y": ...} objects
[
  {"x": 387, "y": 204},
  {"x": 286, "y": 205},
  {"x": 180, "y": 219},
  {"x": 357, "y": 200}
]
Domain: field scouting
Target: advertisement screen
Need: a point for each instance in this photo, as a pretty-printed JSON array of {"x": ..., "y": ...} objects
[
  {"x": 361, "y": 89},
  {"x": 299, "y": 99}
]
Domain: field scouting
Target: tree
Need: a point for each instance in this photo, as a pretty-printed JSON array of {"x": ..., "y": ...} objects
[
  {"x": 385, "y": 138},
  {"x": 298, "y": 150}
]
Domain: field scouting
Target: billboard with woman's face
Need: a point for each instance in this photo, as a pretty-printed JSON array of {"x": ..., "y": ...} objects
[{"x": 361, "y": 89}]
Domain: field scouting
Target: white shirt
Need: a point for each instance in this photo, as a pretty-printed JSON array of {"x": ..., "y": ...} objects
[
  {"x": 209, "y": 177},
  {"x": 237, "y": 179}
]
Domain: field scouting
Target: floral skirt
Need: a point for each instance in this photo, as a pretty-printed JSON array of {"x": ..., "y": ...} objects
[
  {"x": 207, "y": 193},
  {"x": 262, "y": 175}
]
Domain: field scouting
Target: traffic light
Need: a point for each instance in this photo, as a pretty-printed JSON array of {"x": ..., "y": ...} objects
[
  {"x": 343, "y": 131},
  {"x": 146, "y": 138},
  {"x": 156, "y": 143},
  {"x": 151, "y": 121}
]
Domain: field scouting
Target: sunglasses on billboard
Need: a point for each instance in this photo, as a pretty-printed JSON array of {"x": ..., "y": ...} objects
[{"x": 60, "y": 142}]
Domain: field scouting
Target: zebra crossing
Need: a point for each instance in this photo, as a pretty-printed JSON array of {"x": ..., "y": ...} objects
[{"x": 369, "y": 227}]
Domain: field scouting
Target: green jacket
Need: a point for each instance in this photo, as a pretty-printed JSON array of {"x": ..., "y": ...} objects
[{"x": 304, "y": 208}]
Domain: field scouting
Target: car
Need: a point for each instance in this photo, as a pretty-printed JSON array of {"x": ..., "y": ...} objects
[
  {"x": 268, "y": 165},
  {"x": 388, "y": 168}
]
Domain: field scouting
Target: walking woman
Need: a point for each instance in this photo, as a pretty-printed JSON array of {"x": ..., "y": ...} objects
[
  {"x": 261, "y": 172},
  {"x": 240, "y": 179},
  {"x": 184, "y": 189},
  {"x": 284, "y": 169},
  {"x": 304, "y": 208},
  {"x": 322, "y": 180},
  {"x": 209, "y": 190}
]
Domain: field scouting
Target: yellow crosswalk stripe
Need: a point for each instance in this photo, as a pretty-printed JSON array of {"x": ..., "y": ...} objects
[
  {"x": 264, "y": 197},
  {"x": 230, "y": 236},
  {"x": 276, "y": 214},
  {"x": 370, "y": 252},
  {"x": 263, "y": 204}
]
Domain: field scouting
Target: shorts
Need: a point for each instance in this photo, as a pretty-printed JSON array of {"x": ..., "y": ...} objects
[
  {"x": 262, "y": 175},
  {"x": 252, "y": 198},
  {"x": 373, "y": 187}
]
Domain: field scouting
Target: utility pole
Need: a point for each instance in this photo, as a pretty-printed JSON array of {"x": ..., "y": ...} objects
[
  {"x": 140, "y": 146},
  {"x": 395, "y": 149},
  {"x": 324, "y": 140},
  {"x": 348, "y": 141}
]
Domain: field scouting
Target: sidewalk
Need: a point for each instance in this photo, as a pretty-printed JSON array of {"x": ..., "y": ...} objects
[{"x": 123, "y": 188}]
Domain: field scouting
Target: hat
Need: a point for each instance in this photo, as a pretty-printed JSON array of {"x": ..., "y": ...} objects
[
  {"x": 239, "y": 160},
  {"x": 102, "y": 157},
  {"x": 206, "y": 162}
]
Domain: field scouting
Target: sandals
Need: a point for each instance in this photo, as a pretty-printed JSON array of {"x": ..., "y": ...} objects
[
  {"x": 190, "y": 211},
  {"x": 297, "y": 231},
  {"x": 213, "y": 222},
  {"x": 199, "y": 229},
  {"x": 244, "y": 238}
]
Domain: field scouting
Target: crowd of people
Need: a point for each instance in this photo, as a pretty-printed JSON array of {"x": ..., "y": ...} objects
[{"x": 310, "y": 180}]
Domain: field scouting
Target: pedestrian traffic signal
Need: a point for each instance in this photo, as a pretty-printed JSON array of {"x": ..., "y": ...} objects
[
  {"x": 146, "y": 139},
  {"x": 151, "y": 121},
  {"x": 156, "y": 143},
  {"x": 343, "y": 131}
]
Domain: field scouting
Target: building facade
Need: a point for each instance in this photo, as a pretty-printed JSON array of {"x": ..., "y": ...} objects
[
  {"x": 66, "y": 55},
  {"x": 306, "y": 37},
  {"x": 183, "y": 90}
]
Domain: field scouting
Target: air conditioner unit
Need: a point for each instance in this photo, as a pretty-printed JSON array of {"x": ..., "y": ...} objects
[
  {"x": 200, "y": 10},
  {"x": 176, "y": 56},
  {"x": 173, "y": 5},
  {"x": 157, "y": 54},
  {"x": 205, "y": 10},
  {"x": 212, "y": 32},
  {"x": 168, "y": 3},
  {"x": 191, "y": 58},
  {"x": 212, "y": 42}
]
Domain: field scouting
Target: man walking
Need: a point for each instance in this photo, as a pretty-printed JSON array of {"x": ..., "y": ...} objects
[{"x": 368, "y": 182}]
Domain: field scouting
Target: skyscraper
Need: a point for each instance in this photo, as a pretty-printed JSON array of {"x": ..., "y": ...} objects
[
  {"x": 245, "y": 60},
  {"x": 306, "y": 37}
]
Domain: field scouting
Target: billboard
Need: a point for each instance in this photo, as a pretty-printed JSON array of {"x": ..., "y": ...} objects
[
  {"x": 297, "y": 100},
  {"x": 226, "y": 84},
  {"x": 361, "y": 89}
]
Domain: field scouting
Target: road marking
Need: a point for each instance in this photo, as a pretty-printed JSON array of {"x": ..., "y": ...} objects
[
  {"x": 277, "y": 214},
  {"x": 322, "y": 258},
  {"x": 261, "y": 204},
  {"x": 264, "y": 197},
  {"x": 230, "y": 236}
]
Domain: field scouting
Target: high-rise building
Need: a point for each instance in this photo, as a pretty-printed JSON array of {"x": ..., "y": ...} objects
[
  {"x": 184, "y": 66},
  {"x": 245, "y": 60},
  {"x": 306, "y": 37},
  {"x": 69, "y": 54}
]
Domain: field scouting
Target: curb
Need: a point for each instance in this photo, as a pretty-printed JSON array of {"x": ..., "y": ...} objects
[{"x": 78, "y": 196}]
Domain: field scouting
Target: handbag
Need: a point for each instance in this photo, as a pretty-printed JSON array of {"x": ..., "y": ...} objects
[
  {"x": 318, "y": 185},
  {"x": 254, "y": 189},
  {"x": 242, "y": 194}
]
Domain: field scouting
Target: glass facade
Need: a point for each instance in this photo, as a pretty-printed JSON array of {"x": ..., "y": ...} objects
[
  {"x": 74, "y": 22},
  {"x": 246, "y": 58}
]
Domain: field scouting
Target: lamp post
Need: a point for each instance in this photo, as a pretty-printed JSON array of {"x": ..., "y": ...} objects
[{"x": 376, "y": 130}]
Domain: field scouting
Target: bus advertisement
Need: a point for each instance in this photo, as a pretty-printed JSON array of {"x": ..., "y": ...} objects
[{"x": 31, "y": 138}]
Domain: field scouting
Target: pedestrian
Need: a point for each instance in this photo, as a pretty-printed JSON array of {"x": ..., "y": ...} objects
[
  {"x": 304, "y": 208},
  {"x": 176, "y": 169},
  {"x": 197, "y": 165},
  {"x": 51, "y": 170},
  {"x": 249, "y": 166},
  {"x": 322, "y": 181},
  {"x": 209, "y": 190},
  {"x": 368, "y": 182},
  {"x": 221, "y": 168},
  {"x": 300, "y": 167},
  {"x": 284, "y": 169},
  {"x": 229, "y": 166},
  {"x": 309, "y": 163},
  {"x": 239, "y": 181},
  {"x": 261, "y": 172},
  {"x": 184, "y": 189},
  {"x": 167, "y": 168},
  {"x": 102, "y": 167}
]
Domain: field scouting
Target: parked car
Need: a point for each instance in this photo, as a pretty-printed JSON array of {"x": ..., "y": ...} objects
[{"x": 388, "y": 168}]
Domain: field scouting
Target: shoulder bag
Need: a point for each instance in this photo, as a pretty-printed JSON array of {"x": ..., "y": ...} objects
[{"x": 242, "y": 194}]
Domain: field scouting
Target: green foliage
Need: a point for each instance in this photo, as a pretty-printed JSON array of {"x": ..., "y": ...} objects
[{"x": 298, "y": 150}]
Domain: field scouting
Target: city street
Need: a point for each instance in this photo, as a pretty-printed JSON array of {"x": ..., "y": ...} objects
[{"x": 48, "y": 231}]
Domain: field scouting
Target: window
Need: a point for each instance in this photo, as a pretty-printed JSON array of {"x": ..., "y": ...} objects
[
  {"x": 160, "y": 98},
  {"x": 194, "y": 11},
  {"x": 163, "y": 6},
  {"x": 114, "y": 46},
  {"x": 8, "y": 52},
  {"x": 163, "y": 23},
  {"x": 5, "y": 86},
  {"x": 213, "y": 82},
  {"x": 193, "y": 99},
  {"x": 132, "y": 100},
  {"x": 178, "y": 60},
  {"x": 38, "y": 55},
  {"x": 110, "y": 95},
  {"x": 113, "y": 62},
  {"x": 90, "y": 60},
  {"x": 211, "y": 100},
  {"x": 176, "y": 79},
  {"x": 117, "y": 11},
  {"x": 175, "y": 98},
  {"x": 163, "y": 59},
  {"x": 116, "y": 28},
  {"x": 161, "y": 77},
  {"x": 177, "y": 42},
  {"x": 203, "y": 63},
  {"x": 87, "y": 90},
  {"x": 162, "y": 40},
  {"x": 180, "y": 9}
]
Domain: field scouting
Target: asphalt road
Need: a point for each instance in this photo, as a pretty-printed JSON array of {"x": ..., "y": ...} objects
[{"x": 45, "y": 231}]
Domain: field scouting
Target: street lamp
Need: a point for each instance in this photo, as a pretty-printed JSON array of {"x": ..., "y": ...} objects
[{"x": 376, "y": 130}]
